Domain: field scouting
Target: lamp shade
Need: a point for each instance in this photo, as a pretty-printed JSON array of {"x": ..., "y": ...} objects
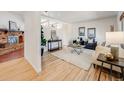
[{"x": 115, "y": 37}]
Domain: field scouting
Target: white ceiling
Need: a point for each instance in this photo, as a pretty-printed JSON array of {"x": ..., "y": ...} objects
[
  {"x": 79, "y": 16},
  {"x": 19, "y": 13}
]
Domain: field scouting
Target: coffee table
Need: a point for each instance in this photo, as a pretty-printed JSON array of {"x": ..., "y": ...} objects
[
  {"x": 77, "y": 48},
  {"x": 120, "y": 63}
]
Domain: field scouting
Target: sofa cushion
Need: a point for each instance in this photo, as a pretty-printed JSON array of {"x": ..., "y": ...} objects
[
  {"x": 121, "y": 52},
  {"x": 103, "y": 43},
  {"x": 99, "y": 49}
]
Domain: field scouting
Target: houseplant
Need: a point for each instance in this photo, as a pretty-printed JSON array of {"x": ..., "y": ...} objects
[{"x": 43, "y": 41}]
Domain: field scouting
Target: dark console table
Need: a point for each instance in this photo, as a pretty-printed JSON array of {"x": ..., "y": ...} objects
[
  {"x": 119, "y": 63},
  {"x": 57, "y": 46}
]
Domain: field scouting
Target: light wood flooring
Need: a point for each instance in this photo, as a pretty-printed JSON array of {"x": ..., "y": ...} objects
[
  {"x": 54, "y": 69},
  {"x": 12, "y": 55}
]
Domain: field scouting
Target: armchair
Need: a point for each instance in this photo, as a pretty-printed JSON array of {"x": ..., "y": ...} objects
[{"x": 91, "y": 45}]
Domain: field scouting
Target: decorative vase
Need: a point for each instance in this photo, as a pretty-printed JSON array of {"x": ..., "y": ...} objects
[{"x": 109, "y": 56}]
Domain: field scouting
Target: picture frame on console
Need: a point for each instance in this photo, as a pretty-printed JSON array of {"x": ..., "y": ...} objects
[
  {"x": 13, "y": 26},
  {"x": 81, "y": 31},
  {"x": 54, "y": 35},
  {"x": 91, "y": 33}
]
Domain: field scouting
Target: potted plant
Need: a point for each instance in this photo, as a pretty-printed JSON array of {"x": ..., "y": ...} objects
[{"x": 43, "y": 41}]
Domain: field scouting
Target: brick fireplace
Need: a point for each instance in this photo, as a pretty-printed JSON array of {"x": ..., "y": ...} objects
[{"x": 10, "y": 40}]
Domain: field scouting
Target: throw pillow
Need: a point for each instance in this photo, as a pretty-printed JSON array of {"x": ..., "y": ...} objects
[
  {"x": 103, "y": 43},
  {"x": 90, "y": 41},
  {"x": 122, "y": 46},
  {"x": 108, "y": 45}
]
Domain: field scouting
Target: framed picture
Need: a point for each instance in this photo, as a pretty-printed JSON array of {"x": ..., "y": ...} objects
[
  {"x": 81, "y": 31},
  {"x": 91, "y": 32},
  {"x": 53, "y": 35},
  {"x": 13, "y": 26},
  {"x": 122, "y": 21}
]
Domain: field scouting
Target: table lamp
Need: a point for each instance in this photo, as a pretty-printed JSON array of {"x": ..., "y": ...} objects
[{"x": 115, "y": 38}]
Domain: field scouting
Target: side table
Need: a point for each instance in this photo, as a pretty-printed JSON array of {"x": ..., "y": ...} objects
[{"x": 120, "y": 63}]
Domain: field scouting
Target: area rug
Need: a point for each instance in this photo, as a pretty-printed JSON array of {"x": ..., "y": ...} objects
[{"x": 84, "y": 60}]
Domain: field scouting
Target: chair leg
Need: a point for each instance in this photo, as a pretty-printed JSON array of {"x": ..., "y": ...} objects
[{"x": 94, "y": 65}]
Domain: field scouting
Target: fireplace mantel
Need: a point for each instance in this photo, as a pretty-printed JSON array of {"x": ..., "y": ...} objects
[
  {"x": 5, "y": 46},
  {"x": 4, "y": 33}
]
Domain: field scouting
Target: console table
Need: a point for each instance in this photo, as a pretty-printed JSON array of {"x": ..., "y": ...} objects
[
  {"x": 54, "y": 45},
  {"x": 119, "y": 63}
]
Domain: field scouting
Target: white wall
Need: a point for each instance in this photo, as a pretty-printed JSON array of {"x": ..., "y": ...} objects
[
  {"x": 101, "y": 25},
  {"x": 7, "y": 16},
  {"x": 32, "y": 50},
  {"x": 67, "y": 33},
  {"x": 63, "y": 32}
]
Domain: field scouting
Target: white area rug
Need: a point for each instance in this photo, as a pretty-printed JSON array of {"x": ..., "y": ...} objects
[{"x": 84, "y": 60}]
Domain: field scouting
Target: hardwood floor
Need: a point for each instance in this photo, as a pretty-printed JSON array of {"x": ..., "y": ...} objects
[
  {"x": 53, "y": 69},
  {"x": 12, "y": 55},
  {"x": 17, "y": 69}
]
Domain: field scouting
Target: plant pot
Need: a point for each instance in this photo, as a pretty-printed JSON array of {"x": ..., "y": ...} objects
[{"x": 42, "y": 50}]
